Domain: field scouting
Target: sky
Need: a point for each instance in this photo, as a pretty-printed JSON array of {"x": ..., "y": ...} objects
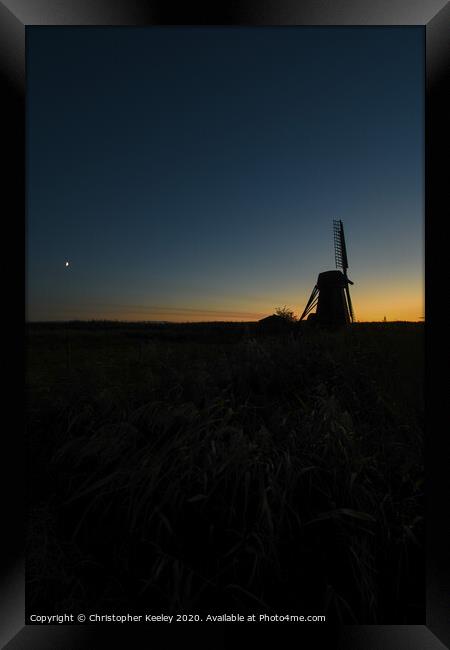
[{"x": 193, "y": 173}]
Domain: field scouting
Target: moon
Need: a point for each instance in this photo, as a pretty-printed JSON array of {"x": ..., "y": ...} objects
[{"x": 67, "y": 263}]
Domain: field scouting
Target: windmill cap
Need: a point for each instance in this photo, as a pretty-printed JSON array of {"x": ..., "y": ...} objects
[{"x": 331, "y": 279}]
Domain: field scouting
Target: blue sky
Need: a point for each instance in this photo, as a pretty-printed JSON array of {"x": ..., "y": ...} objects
[{"x": 194, "y": 173}]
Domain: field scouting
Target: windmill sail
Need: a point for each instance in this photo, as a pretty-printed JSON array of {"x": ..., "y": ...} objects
[
  {"x": 340, "y": 255},
  {"x": 340, "y": 251}
]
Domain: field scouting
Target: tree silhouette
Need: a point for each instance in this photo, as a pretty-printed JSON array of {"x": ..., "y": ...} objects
[{"x": 286, "y": 313}]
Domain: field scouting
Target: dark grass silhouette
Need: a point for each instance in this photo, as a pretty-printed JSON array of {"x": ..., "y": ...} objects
[{"x": 204, "y": 468}]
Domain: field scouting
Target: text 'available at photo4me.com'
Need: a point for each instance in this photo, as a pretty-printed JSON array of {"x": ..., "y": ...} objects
[{"x": 43, "y": 619}]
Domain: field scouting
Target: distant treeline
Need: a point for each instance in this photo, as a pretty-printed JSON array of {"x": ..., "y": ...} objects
[{"x": 116, "y": 324}]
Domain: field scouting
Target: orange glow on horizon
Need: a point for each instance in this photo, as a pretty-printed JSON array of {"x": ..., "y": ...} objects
[
  {"x": 372, "y": 302},
  {"x": 367, "y": 312}
]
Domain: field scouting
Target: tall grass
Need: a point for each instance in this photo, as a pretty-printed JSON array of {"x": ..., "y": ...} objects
[{"x": 267, "y": 475}]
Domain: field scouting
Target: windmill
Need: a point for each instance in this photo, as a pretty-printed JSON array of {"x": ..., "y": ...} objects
[{"x": 331, "y": 295}]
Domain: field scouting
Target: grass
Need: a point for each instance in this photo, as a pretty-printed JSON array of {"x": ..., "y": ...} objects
[{"x": 206, "y": 468}]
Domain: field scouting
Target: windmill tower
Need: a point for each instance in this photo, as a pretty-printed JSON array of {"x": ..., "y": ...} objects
[{"x": 331, "y": 295}]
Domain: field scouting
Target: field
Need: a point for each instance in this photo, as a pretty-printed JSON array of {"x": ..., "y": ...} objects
[{"x": 208, "y": 468}]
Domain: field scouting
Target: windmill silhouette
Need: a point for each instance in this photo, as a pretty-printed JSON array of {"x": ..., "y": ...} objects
[{"x": 331, "y": 294}]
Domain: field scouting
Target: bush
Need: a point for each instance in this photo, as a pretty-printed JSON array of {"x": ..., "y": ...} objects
[{"x": 286, "y": 313}]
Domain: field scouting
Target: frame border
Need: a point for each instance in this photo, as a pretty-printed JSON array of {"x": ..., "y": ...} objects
[{"x": 15, "y": 16}]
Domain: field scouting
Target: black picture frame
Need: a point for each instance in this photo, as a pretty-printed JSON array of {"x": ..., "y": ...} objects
[{"x": 15, "y": 16}]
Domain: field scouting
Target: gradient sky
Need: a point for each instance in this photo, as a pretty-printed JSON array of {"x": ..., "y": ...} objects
[{"x": 193, "y": 173}]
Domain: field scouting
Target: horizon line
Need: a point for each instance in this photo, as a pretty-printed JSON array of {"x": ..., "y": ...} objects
[{"x": 168, "y": 322}]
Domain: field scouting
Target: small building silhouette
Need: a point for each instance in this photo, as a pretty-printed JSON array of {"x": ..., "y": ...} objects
[{"x": 274, "y": 325}]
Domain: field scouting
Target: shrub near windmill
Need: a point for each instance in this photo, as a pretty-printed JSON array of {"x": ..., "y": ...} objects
[{"x": 331, "y": 294}]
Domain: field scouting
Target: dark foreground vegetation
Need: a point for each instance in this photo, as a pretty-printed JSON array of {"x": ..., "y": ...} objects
[{"x": 209, "y": 468}]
